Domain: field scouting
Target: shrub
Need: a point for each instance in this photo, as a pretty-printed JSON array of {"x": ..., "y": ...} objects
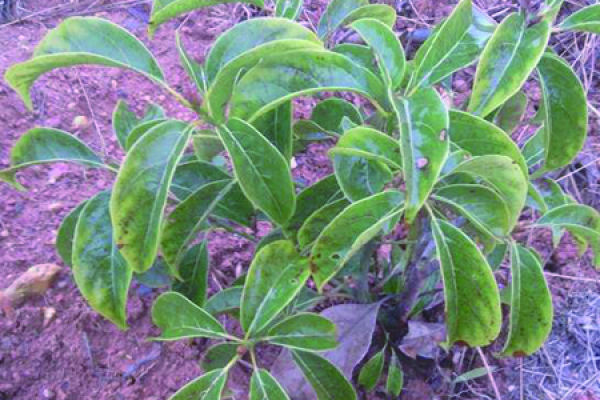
[{"x": 417, "y": 183}]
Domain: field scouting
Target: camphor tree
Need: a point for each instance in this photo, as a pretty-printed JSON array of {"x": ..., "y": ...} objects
[{"x": 424, "y": 192}]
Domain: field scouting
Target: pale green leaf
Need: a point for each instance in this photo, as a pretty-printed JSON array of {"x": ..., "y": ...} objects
[
  {"x": 207, "y": 387},
  {"x": 304, "y": 331},
  {"x": 325, "y": 378},
  {"x": 370, "y": 373},
  {"x": 264, "y": 387},
  {"x": 585, "y": 20}
]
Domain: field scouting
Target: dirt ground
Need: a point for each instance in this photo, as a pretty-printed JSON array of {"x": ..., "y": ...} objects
[{"x": 79, "y": 355}]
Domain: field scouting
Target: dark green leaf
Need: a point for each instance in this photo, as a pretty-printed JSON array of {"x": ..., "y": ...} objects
[
  {"x": 585, "y": 20},
  {"x": 192, "y": 68},
  {"x": 123, "y": 121},
  {"x": 565, "y": 113},
  {"x": 370, "y": 373},
  {"x": 66, "y": 233},
  {"x": 510, "y": 113},
  {"x": 335, "y": 13},
  {"x": 423, "y": 121},
  {"x": 533, "y": 150},
  {"x": 226, "y": 301},
  {"x": 80, "y": 41},
  {"x": 395, "y": 378},
  {"x": 317, "y": 221},
  {"x": 328, "y": 114},
  {"x": 472, "y": 300},
  {"x": 207, "y": 145},
  {"x": 264, "y": 387},
  {"x": 218, "y": 356},
  {"x": 139, "y": 130},
  {"x": 158, "y": 276},
  {"x": 140, "y": 192},
  {"x": 275, "y": 277},
  {"x": 351, "y": 230},
  {"x": 359, "y": 54},
  {"x": 304, "y": 331},
  {"x": 509, "y": 57},
  {"x": 370, "y": 144},
  {"x": 100, "y": 272},
  {"x": 207, "y": 387},
  {"x": 276, "y": 126},
  {"x": 193, "y": 270},
  {"x": 262, "y": 172},
  {"x": 325, "y": 378},
  {"x": 530, "y": 305},
  {"x": 179, "y": 318}
]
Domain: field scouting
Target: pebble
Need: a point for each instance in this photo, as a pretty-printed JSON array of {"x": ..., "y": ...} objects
[{"x": 48, "y": 394}]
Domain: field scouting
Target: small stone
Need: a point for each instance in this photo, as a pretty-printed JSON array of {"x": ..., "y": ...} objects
[
  {"x": 422, "y": 163},
  {"x": 48, "y": 394},
  {"x": 4, "y": 233},
  {"x": 49, "y": 315},
  {"x": 443, "y": 135},
  {"x": 293, "y": 163},
  {"x": 56, "y": 206},
  {"x": 81, "y": 122},
  {"x": 71, "y": 105}
]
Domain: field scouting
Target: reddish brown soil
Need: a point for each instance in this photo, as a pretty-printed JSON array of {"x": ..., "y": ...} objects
[{"x": 80, "y": 355}]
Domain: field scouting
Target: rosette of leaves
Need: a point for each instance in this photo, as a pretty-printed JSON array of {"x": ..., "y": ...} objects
[{"x": 404, "y": 159}]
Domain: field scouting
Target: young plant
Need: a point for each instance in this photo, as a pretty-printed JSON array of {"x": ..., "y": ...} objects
[{"x": 416, "y": 177}]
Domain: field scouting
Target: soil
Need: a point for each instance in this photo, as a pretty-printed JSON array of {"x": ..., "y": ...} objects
[{"x": 78, "y": 355}]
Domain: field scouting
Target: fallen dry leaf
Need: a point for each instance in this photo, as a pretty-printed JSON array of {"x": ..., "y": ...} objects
[
  {"x": 422, "y": 339},
  {"x": 36, "y": 280}
]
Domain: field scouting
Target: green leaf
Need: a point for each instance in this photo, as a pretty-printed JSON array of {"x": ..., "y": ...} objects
[
  {"x": 351, "y": 230},
  {"x": 483, "y": 207},
  {"x": 207, "y": 387},
  {"x": 275, "y": 277},
  {"x": 387, "y": 48},
  {"x": 184, "y": 222},
  {"x": 340, "y": 13},
  {"x": 264, "y": 387},
  {"x": 276, "y": 126},
  {"x": 371, "y": 372},
  {"x": 580, "y": 220},
  {"x": 140, "y": 192},
  {"x": 329, "y": 113},
  {"x": 325, "y": 378},
  {"x": 472, "y": 300},
  {"x": 99, "y": 270},
  {"x": 193, "y": 69},
  {"x": 123, "y": 121},
  {"x": 165, "y": 10},
  {"x": 554, "y": 195},
  {"x": 140, "y": 130},
  {"x": 370, "y": 144},
  {"x": 46, "y": 145},
  {"x": 317, "y": 221},
  {"x": 218, "y": 356},
  {"x": 480, "y": 137},
  {"x": 207, "y": 145},
  {"x": 473, "y": 374},
  {"x": 360, "y": 177},
  {"x": 359, "y": 54},
  {"x": 179, "y": 318},
  {"x": 226, "y": 301},
  {"x": 435, "y": 59},
  {"x": 510, "y": 113},
  {"x": 564, "y": 112},
  {"x": 81, "y": 41},
  {"x": 423, "y": 121},
  {"x": 507, "y": 61},
  {"x": 504, "y": 176},
  {"x": 531, "y": 309},
  {"x": 585, "y": 20},
  {"x": 534, "y": 148},
  {"x": 311, "y": 199},
  {"x": 289, "y": 9},
  {"x": 304, "y": 331},
  {"x": 395, "y": 378},
  {"x": 156, "y": 277},
  {"x": 262, "y": 172},
  {"x": 193, "y": 270},
  {"x": 299, "y": 73},
  {"x": 66, "y": 233}
]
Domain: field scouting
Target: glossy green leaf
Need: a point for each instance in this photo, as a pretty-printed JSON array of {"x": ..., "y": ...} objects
[
  {"x": 140, "y": 192},
  {"x": 507, "y": 60},
  {"x": 380, "y": 12},
  {"x": 351, "y": 230},
  {"x": 192, "y": 68},
  {"x": 472, "y": 300},
  {"x": 531, "y": 310},
  {"x": 585, "y": 20},
  {"x": 395, "y": 377},
  {"x": 370, "y": 144},
  {"x": 483, "y": 207},
  {"x": 386, "y": 47},
  {"x": 325, "y": 378},
  {"x": 288, "y": 8},
  {"x": 304, "y": 331},
  {"x": 533, "y": 150},
  {"x": 358, "y": 176},
  {"x": 359, "y": 54},
  {"x": 370, "y": 373},
  {"x": 423, "y": 120},
  {"x": 302, "y": 72},
  {"x": 207, "y": 145},
  {"x": 219, "y": 355},
  {"x": 158, "y": 276},
  {"x": 312, "y": 198},
  {"x": 193, "y": 270},
  {"x": 262, "y": 172},
  {"x": 99, "y": 270},
  {"x": 207, "y": 387},
  {"x": 66, "y": 233},
  {"x": 225, "y": 301},
  {"x": 186, "y": 220},
  {"x": 580, "y": 220},
  {"x": 510, "y": 113},
  {"x": 553, "y": 193},
  {"x": 264, "y": 387},
  {"x": 480, "y": 137},
  {"x": 179, "y": 318},
  {"x": 445, "y": 47},
  {"x": 47, "y": 145},
  {"x": 276, "y": 126},
  {"x": 335, "y": 13},
  {"x": 564, "y": 112},
  {"x": 123, "y": 121},
  {"x": 80, "y": 41},
  {"x": 504, "y": 176},
  {"x": 275, "y": 277},
  {"x": 329, "y": 113},
  {"x": 140, "y": 130},
  {"x": 165, "y": 10},
  {"x": 317, "y": 221}
]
